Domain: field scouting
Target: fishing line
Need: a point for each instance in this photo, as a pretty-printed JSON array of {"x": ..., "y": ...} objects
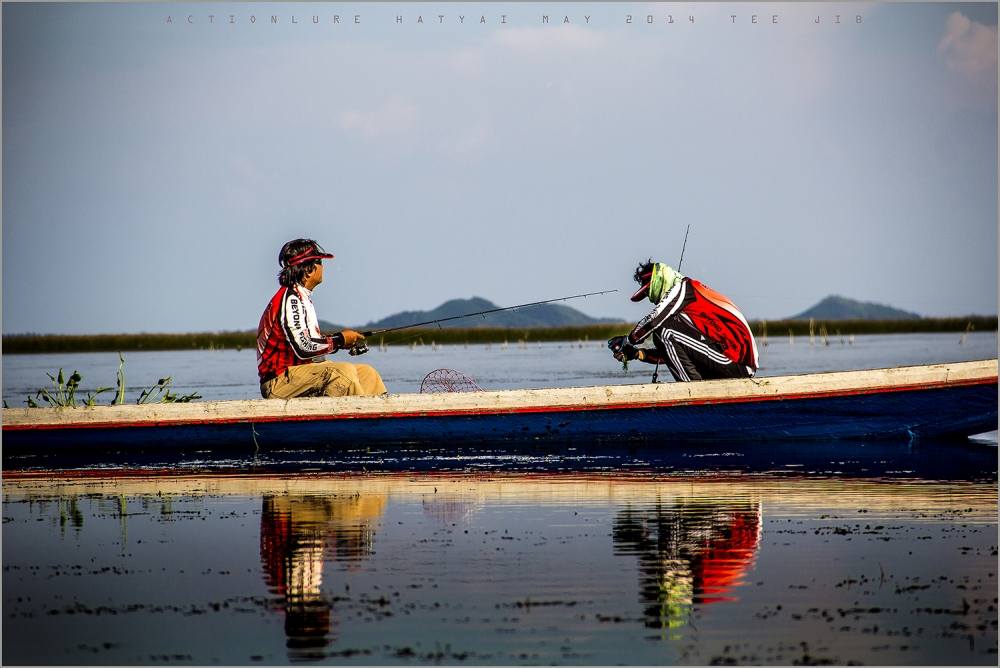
[
  {"x": 484, "y": 313},
  {"x": 361, "y": 347}
]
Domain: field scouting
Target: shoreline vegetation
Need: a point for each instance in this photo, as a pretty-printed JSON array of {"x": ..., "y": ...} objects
[{"x": 815, "y": 330}]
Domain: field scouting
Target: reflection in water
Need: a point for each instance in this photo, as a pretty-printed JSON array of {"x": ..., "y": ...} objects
[
  {"x": 299, "y": 533},
  {"x": 690, "y": 552},
  {"x": 449, "y": 509},
  {"x": 915, "y": 574}
]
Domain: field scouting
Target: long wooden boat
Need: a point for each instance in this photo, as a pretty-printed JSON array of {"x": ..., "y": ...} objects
[{"x": 939, "y": 400}]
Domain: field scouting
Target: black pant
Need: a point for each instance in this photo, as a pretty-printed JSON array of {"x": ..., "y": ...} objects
[{"x": 691, "y": 356}]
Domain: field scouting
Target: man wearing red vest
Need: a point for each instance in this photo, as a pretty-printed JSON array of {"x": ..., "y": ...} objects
[
  {"x": 290, "y": 348},
  {"x": 697, "y": 332}
]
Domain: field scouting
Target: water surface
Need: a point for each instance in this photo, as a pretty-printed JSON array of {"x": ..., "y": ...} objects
[
  {"x": 498, "y": 568},
  {"x": 232, "y": 374}
]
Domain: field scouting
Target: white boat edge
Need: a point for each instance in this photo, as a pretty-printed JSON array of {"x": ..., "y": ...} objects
[{"x": 593, "y": 397}]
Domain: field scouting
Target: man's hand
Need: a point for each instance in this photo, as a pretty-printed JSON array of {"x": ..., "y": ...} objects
[
  {"x": 350, "y": 337},
  {"x": 623, "y": 350},
  {"x": 628, "y": 352}
]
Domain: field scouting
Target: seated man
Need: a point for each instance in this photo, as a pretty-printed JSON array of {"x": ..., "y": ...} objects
[
  {"x": 697, "y": 332},
  {"x": 290, "y": 347}
]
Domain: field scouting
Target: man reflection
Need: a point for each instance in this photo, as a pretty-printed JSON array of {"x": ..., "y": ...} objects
[
  {"x": 297, "y": 534},
  {"x": 690, "y": 552}
]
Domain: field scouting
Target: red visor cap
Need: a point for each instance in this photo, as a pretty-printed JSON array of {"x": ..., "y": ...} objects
[
  {"x": 643, "y": 292},
  {"x": 310, "y": 254}
]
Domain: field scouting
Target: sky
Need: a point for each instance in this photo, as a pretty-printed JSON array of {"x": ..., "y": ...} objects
[{"x": 157, "y": 156}]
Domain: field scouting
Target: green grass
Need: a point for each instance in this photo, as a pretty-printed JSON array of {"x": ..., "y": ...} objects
[{"x": 60, "y": 343}]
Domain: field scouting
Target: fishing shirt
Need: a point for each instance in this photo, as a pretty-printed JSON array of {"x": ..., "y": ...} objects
[
  {"x": 711, "y": 313},
  {"x": 288, "y": 333}
]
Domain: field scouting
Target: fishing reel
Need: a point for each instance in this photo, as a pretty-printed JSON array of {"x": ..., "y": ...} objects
[
  {"x": 621, "y": 346},
  {"x": 359, "y": 348},
  {"x": 624, "y": 351}
]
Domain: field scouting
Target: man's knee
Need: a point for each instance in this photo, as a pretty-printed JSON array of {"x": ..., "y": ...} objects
[
  {"x": 370, "y": 379},
  {"x": 367, "y": 370},
  {"x": 337, "y": 379}
]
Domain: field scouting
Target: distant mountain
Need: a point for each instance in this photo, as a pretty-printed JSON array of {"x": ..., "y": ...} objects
[
  {"x": 836, "y": 307},
  {"x": 542, "y": 315}
]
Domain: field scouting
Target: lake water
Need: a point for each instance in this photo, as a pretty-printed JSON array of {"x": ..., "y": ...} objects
[
  {"x": 499, "y": 569},
  {"x": 800, "y": 553}
]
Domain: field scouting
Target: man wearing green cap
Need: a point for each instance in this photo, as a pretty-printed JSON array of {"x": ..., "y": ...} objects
[{"x": 697, "y": 332}]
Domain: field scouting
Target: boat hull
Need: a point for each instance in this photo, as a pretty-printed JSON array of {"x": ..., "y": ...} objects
[{"x": 913, "y": 403}]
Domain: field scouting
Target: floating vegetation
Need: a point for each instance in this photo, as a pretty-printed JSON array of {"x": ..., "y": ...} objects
[
  {"x": 161, "y": 394},
  {"x": 62, "y": 394}
]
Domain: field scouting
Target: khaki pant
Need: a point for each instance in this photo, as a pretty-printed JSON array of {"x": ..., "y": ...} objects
[{"x": 330, "y": 379}]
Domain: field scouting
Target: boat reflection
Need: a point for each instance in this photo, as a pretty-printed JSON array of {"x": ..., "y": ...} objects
[
  {"x": 298, "y": 535},
  {"x": 693, "y": 540},
  {"x": 690, "y": 552}
]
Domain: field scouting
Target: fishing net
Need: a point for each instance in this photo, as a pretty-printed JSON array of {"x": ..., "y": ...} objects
[{"x": 448, "y": 380}]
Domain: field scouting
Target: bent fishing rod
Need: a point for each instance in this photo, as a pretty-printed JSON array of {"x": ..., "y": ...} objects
[{"x": 361, "y": 347}]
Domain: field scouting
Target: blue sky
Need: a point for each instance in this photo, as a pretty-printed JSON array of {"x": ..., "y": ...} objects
[{"x": 152, "y": 170}]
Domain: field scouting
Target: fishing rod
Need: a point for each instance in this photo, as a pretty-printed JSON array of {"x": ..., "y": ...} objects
[
  {"x": 361, "y": 347},
  {"x": 685, "y": 245}
]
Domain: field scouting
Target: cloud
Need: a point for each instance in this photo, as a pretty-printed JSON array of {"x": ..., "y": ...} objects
[
  {"x": 970, "y": 49},
  {"x": 394, "y": 116}
]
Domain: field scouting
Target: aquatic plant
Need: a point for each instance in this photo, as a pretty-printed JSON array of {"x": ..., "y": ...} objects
[
  {"x": 161, "y": 394},
  {"x": 70, "y": 511},
  {"x": 63, "y": 391},
  {"x": 157, "y": 394},
  {"x": 120, "y": 394}
]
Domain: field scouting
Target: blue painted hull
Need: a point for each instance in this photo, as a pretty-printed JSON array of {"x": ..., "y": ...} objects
[{"x": 944, "y": 412}]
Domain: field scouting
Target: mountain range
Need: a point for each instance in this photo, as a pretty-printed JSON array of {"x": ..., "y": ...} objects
[
  {"x": 540, "y": 315},
  {"x": 833, "y": 307},
  {"x": 836, "y": 307}
]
